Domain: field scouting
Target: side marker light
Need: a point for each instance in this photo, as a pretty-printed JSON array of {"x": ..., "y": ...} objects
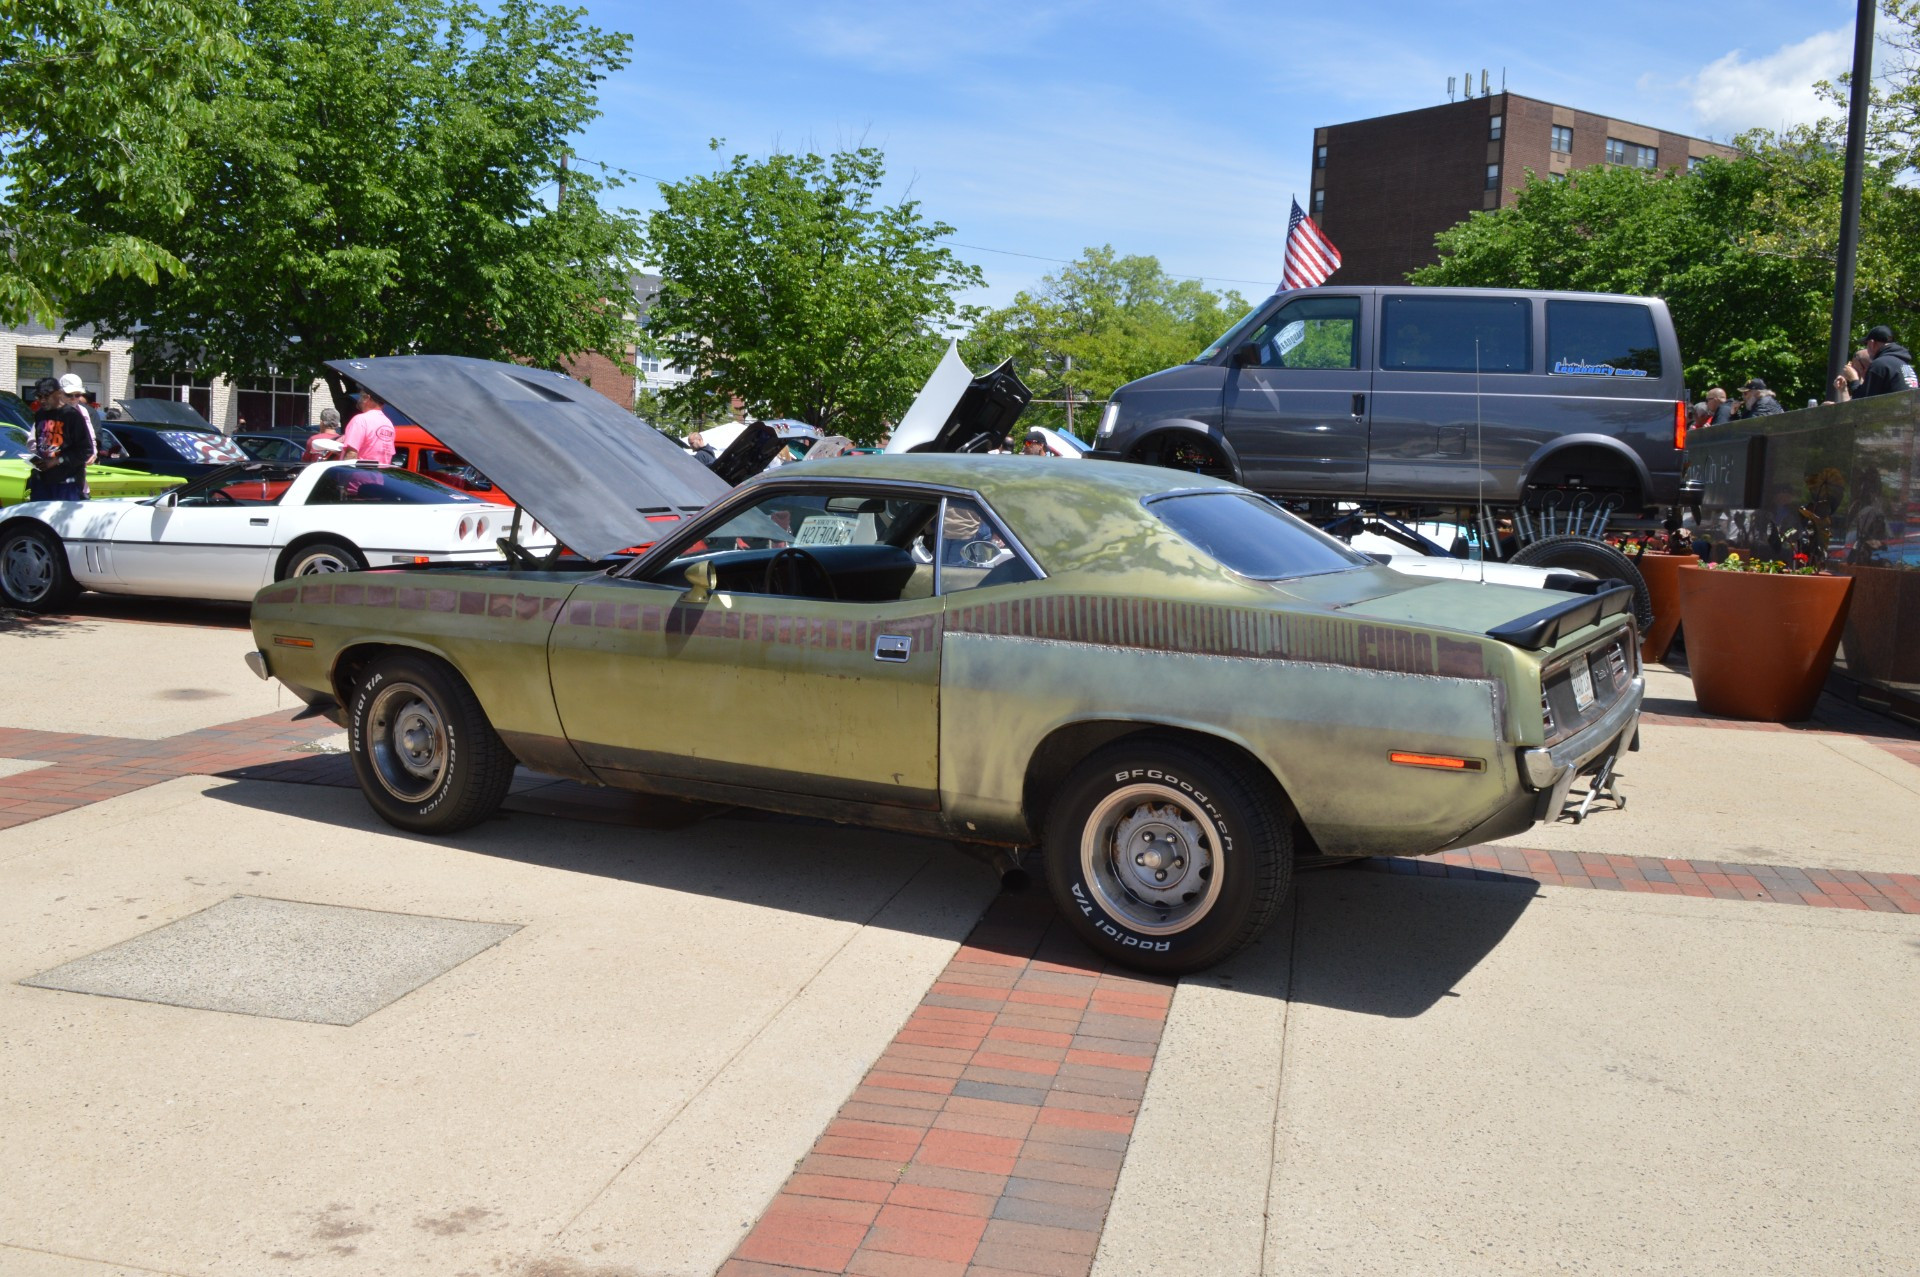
[{"x": 1441, "y": 762}]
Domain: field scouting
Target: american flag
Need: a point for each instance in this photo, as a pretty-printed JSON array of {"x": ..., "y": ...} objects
[{"x": 1311, "y": 256}]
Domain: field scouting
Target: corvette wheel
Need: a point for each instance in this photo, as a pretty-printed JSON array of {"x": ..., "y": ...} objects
[
  {"x": 422, "y": 748},
  {"x": 322, "y": 556},
  {"x": 33, "y": 570},
  {"x": 1167, "y": 858}
]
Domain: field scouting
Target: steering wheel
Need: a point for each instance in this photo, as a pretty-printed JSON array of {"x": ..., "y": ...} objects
[
  {"x": 795, "y": 555},
  {"x": 220, "y": 496}
]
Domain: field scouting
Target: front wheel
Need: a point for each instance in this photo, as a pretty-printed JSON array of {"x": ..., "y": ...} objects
[
  {"x": 425, "y": 755},
  {"x": 33, "y": 570},
  {"x": 1167, "y": 858}
]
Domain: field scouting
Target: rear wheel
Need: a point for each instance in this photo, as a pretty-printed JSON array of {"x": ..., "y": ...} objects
[
  {"x": 1584, "y": 554},
  {"x": 422, "y": 748},
  {"x": 33, "y": 569},
  {"x": 1168, "y": 858},
  {"x": 319, "y": 557}
]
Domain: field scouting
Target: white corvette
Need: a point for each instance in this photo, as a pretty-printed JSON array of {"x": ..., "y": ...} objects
[{"x": 226, "y": 534}]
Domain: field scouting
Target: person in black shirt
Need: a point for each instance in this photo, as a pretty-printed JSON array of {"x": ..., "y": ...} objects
[
  {"x": 1892, "y": 366},
  {"x": 63, "y": 445}
]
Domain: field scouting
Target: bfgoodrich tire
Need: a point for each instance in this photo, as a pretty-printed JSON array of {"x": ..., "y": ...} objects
[
  {"x": 1167, "y": 858},
  {"x": 33, "y": 569},
  {"x": 426, "y": 756},
  {"x": 1584, "y": 554}
]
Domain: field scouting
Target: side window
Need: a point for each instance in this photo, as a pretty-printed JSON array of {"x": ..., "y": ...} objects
[
  {"x": 1456, "y": 334},
  {"x": 1314, "y": 332},
  {"x": 974, "y": 554},
  {"x": 1601, "y": 339},
  {"x": 848, "y": 547}
]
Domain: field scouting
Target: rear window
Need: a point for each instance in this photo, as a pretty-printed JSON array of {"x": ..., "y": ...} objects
[
  {"x": 1252, "y": 536},
  {"x": 1456, "y": 334},
  {"x": 353, "y": 485},
  {"x": 1601, "y": 339}
]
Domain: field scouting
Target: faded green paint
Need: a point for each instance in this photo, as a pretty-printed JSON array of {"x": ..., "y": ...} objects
[{"x": 767, "y": 700}]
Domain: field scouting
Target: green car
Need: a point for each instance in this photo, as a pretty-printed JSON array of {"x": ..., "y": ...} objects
[
  {"x": 1169, "y": 683},
  {"x": 102, "y": 481}
]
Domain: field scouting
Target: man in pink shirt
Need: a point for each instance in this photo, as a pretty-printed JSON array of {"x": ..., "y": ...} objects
[{"x": 369, "y": 436}]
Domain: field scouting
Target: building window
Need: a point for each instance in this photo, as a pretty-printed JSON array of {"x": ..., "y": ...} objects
[
  {"x": 1493, "y": 177},
  {"x": 196, "y": 392},
  {"x": 1493, "y": 127},
  {"x": 1694, "y": 162},
  {"x": 1319, "y": 157},
  {"x": 1319, "y": 202},
  {"x": 1629, "y": 153},
  {"x": 263, "y": 403},
  {"x": 648, "y": 363},
  {"x": 1563, "y": 139}
]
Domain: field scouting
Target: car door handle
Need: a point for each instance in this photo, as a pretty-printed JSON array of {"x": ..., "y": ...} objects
[
  {"x": 892, "y": 647},
  {"x": 1359, "y": 405},
  {"x": 258, "y": 523}
]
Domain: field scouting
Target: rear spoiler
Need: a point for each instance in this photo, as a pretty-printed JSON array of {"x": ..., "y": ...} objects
[{"x": 1550, "y": 624}]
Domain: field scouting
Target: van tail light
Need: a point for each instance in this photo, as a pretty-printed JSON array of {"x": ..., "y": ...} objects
[{"x": 1680, "y": 424}]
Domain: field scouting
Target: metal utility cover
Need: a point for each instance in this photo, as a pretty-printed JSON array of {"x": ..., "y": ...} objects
[{"x": 251, "y": 955}]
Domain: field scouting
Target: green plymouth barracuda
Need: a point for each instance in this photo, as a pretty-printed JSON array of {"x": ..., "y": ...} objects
[{"x": 1164, "y": 680}]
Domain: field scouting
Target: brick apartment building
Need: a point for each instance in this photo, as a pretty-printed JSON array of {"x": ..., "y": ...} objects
[{"x": 1383, "y": 188}]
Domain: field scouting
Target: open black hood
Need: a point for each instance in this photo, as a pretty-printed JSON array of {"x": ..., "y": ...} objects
[
  {"x": 983, "y": 419},
  {"x": 163, "y": 412},
  {"x": 588, "y": 471}
]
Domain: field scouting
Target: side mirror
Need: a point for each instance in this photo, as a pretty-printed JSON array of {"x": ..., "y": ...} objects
[
  {"x": 1247, "y": 356},
  {"x": 168, "y": 500},
  {"x": 702, "y": 580}
]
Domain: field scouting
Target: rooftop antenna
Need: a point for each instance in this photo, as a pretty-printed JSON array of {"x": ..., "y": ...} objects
[
  {"x": 1466, "y": 85},
  {"x": 1483, "y": 82},
  {"x": 1503, "y": 79},
  {"x": 1450, "y": 83}
]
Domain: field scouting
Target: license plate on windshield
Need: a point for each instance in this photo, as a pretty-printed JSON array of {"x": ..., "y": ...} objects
[{"x": 1582, "y": 685}]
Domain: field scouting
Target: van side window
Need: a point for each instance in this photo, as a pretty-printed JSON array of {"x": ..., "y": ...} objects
[
  {"x": 1601, "y": 339},
  {"x": 1438, "y": 334},
  {"x": 1314, "y": 332}
]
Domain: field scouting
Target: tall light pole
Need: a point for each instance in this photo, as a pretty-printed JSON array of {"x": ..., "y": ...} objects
[{"x": 1859, "y": 94}]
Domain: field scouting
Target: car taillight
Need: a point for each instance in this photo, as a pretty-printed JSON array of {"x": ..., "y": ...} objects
[
  {"x": 466, "y": 528},
  {"x": 1680, "y": 424},
  {"x": 480, "y": 527}
]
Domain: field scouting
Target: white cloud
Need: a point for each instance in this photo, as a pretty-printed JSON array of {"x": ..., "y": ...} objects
[{"x": 1736, "y": 92}]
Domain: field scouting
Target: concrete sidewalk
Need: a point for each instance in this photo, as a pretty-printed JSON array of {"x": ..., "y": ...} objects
[{"x": 621, "y": 1084}]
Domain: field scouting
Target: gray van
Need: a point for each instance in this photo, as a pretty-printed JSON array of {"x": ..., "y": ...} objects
[{"x": 1419, "y": 398}]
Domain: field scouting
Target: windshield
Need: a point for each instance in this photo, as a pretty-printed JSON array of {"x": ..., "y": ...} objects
[
  {"x": 1228, "y": 339},
  {"x": 1252, "y": 536}
]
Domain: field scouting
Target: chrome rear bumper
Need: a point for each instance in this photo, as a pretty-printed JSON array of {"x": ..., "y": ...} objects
[{"x": 1551, "y": 770}]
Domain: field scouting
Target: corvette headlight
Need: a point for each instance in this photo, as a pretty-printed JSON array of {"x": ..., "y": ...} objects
[{"x": 1108, "y": 415}]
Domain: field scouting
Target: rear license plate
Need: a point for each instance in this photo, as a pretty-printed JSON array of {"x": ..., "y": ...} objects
[{"x": 1582, "y": 685}]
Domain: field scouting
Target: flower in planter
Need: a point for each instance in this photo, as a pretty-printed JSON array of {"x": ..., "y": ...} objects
[{"x": 1801, "y": 565}]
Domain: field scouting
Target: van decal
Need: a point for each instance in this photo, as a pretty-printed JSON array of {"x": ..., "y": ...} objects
[{"x": 1567, "y": 368}]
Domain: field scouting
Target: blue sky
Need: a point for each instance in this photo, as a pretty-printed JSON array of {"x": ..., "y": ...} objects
[{"x": 1175, "y": 129}]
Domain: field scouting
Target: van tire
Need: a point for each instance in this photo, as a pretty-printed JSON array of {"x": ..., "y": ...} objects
[{"x": 1597, "y": 558}]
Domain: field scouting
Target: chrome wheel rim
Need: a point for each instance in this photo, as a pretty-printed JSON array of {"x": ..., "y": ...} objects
[
  {"x": 406, "y": 741},
  {"x": 27, "y": 567},
  {"x": 1151, "y": 857},
  {"x": 325, "y": 562}
]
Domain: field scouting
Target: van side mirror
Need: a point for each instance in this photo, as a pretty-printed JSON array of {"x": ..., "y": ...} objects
[
  {"x": 702, "y": 580},
  {"x": 1248, "y": 356}
]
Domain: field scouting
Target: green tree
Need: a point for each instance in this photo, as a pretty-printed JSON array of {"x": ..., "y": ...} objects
[
  {"x": 1116, "y": 317},
  {"x": 789, "y": 283},
  {"x": 1742, "y": 251},
  {"x": 369, "y": 179},
  {"x": 95, "y": 104}
]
